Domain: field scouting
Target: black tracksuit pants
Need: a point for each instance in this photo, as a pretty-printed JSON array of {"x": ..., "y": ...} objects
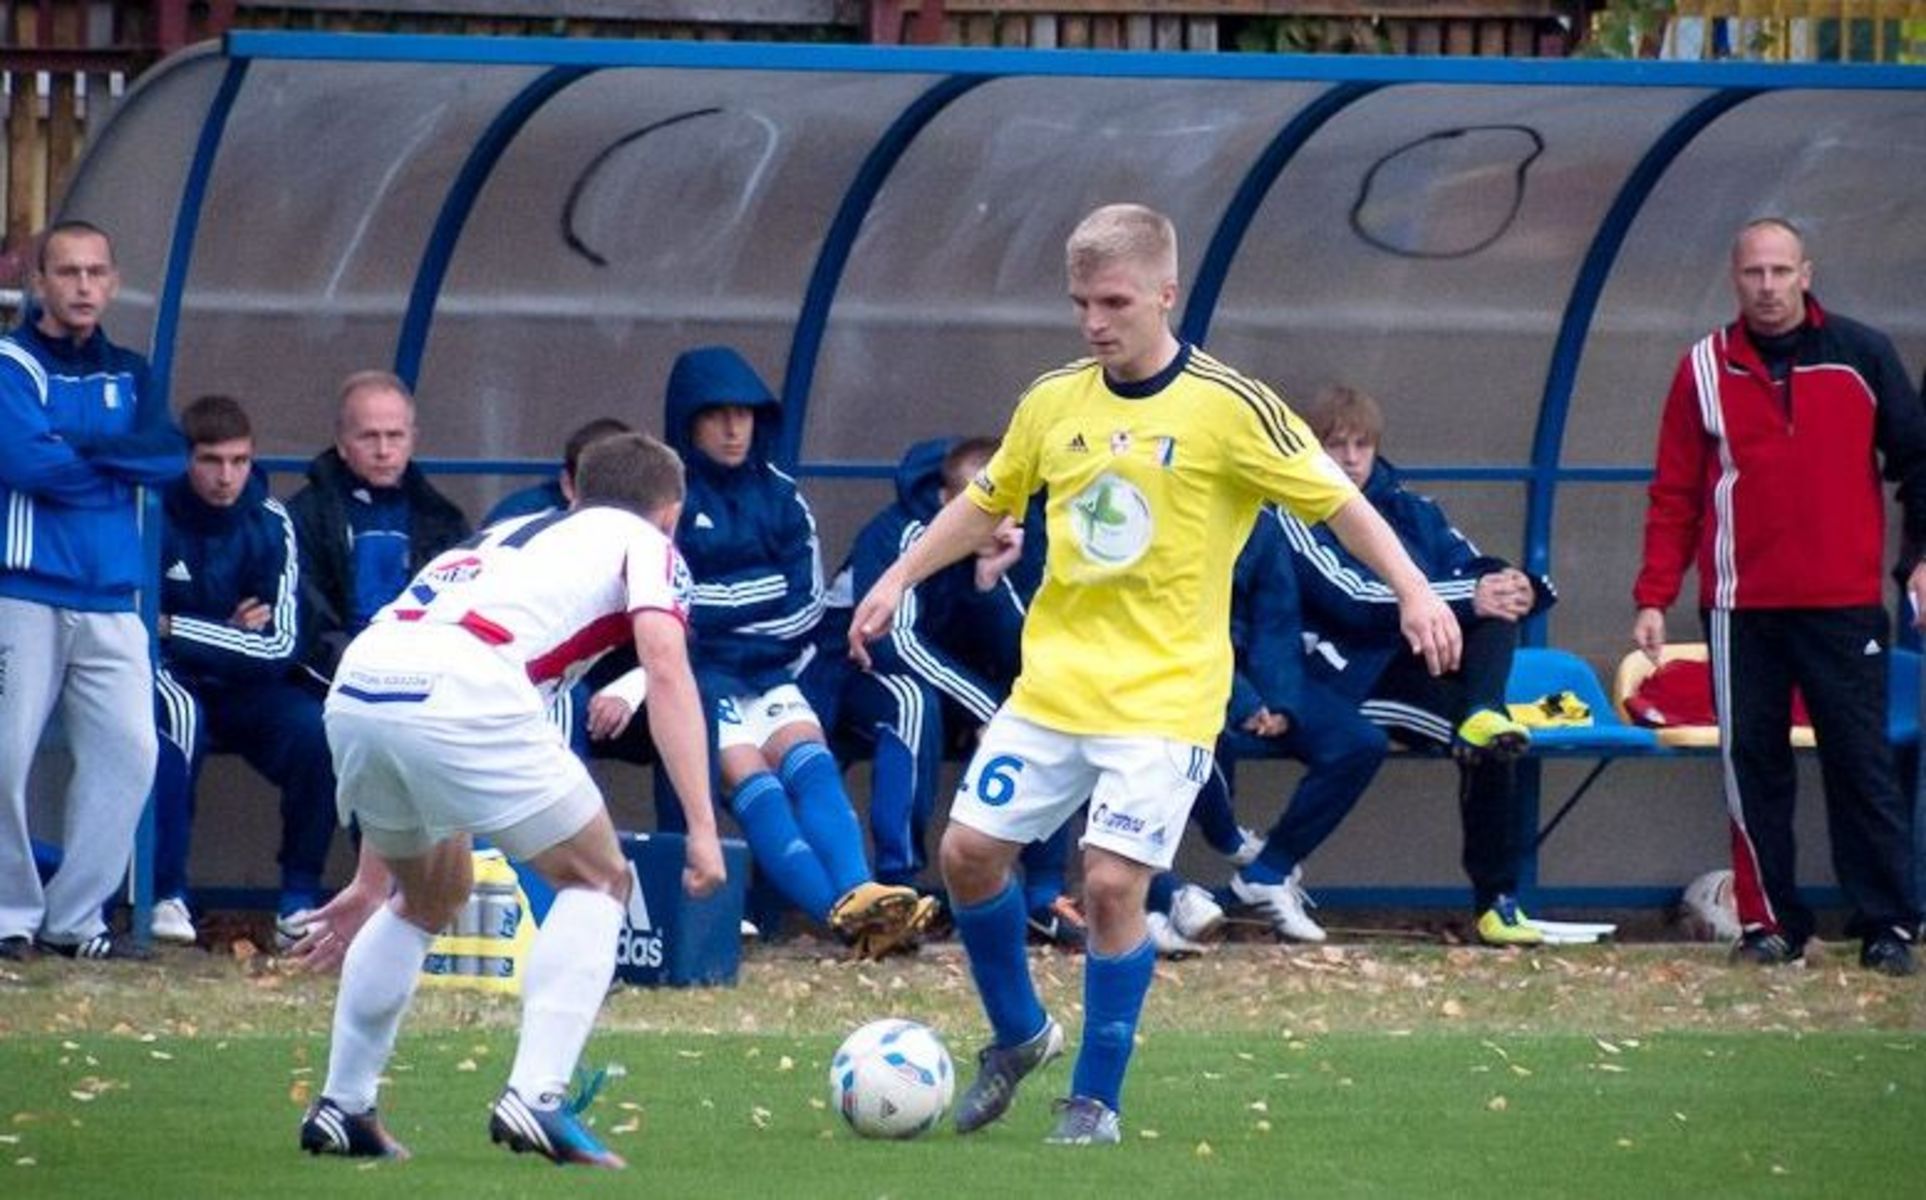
[{"x": 1837, "y": 658}]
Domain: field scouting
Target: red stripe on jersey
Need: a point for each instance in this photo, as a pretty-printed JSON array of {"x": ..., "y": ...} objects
[
  {"x": 603, "y": 633},
  {"x": 485, "y": 629}
]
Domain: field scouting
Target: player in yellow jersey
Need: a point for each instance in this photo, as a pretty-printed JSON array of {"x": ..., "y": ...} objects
[{"x": 1156, "y": 458}]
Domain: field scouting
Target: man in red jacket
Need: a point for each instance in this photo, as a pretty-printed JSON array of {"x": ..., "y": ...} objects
[{"x": 1768, "y": 473}]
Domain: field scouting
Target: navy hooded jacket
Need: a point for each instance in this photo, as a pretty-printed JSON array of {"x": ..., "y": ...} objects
[
  {"x": 746, "y": 533},
  {"x": 1352, "y": 615},
  {"x": 960, "y": 641},
  {"x": 1266, "y": 626},
  {"x": 213, "y": 558}
]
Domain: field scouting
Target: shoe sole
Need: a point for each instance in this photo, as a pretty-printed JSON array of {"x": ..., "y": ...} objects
[
  {"x": 1505, "y": 747},
  {"x": 502, "y": 1133},
  {"x": 891, "y": 910},
  {"x": 881, "y": 942}
]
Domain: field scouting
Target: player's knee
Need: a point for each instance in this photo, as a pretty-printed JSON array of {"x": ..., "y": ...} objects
[{"x": 970, "y": 870}]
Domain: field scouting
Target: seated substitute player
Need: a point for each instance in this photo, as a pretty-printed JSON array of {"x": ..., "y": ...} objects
[
  {"x": 1156, "y": 458},
  {"x": 1351, "y": 614},
  {"x": 936, "y": 676},
  {"x": 750, "y": 541},
  {"x": 1277, "y": 712},
  {"x": 230, "y": 663},
  {"x": 436, "y": 718}
]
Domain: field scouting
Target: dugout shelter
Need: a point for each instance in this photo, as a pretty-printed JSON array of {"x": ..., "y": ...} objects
[{"x": 1509, "y": 254}]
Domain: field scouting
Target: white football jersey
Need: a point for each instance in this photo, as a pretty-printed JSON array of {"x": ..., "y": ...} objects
[{"x": 552, "y": 591}]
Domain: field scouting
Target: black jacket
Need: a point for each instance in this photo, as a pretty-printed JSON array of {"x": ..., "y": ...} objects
[{"x": 327, "y": 564}]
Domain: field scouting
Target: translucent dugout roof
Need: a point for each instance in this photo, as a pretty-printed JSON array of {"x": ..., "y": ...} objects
[{"x": 1510, "y": 254}]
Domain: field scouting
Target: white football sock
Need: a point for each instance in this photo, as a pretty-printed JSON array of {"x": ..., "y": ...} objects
[
  {"x": 567, "y": 976},
  {"x": 378, "y": 980}
]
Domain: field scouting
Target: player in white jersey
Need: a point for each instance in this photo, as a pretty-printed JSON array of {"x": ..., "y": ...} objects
[{"x": 438, "y": 727}]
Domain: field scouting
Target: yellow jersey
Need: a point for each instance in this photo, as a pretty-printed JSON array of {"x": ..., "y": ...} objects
[{"x": 1153, "y": 489}]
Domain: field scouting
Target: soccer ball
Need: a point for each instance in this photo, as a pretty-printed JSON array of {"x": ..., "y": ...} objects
[
  {"x": 1708, "y": 910},
  {"x": 892, "y": 1079}
]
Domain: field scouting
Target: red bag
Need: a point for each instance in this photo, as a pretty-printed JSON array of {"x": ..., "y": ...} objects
[{"x": 1680, "y": 693}]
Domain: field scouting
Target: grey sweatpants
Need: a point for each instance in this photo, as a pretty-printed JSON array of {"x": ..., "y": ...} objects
[{"x": 95, "y": 667}]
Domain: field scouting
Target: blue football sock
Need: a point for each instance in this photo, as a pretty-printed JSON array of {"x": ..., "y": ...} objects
[
  {"x": 1163, "y": 885},
  {"x": 993, "y": 936},
  {"x": 1043, "y": 866},
  {"x": 1266, "y": 868},
  {"x": 1214, "y": 817},
  {"x": 825, "y": 815},
  {"x": 892, "y": 809},
  {"x": 1113, "y": 996},
  {"x": 762, "y": 809}
]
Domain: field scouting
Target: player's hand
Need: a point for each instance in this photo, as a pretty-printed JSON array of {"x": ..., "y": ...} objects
[
  {"x": 331, "y": 928},
  {"x": 1431, "y": 630},
  {"x": 1505, "y": 595},
  {"x": 999, "y": 555},
  {"x": 250, "y": 614},
  {"x": 1648, "y": 632},
  {"x": 1266, "y": 724},
  {"x": 872, "y": 616},
  {"x": 702, "y": 870},
  {"x": 608, "y": 716}
]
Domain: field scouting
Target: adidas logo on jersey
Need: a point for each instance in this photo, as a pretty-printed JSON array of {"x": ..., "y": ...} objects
[
  {"x": 640, "y": 942},
  {"x": 179, "y": 573},
  {"x": 1078, "y": 445}
]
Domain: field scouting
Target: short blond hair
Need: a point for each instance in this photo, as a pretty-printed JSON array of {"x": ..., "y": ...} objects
[{"x": 1123, "y": 233}]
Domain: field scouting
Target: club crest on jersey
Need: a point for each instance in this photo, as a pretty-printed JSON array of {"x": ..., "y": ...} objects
[
  {"x": 457, "y": 570},
  {"x": 1120, "y": 442},
  {"x": 1110, "y": 522}
]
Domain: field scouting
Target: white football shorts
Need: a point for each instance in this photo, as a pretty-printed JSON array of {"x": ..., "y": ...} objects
[
  {"x": 434, "y": 734},
  {"x": 1026, "y": 780},
  {"x": 752, "y": 720}
]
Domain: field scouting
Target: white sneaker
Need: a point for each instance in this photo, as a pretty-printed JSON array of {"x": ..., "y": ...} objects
[
  {"x": 290, "y": 928},
  {"x": 1165, "y": 939},
  {"x": 1282, "y": 904},
  {"x": 1249, "y": 845},
  {"x": 171, "y": 922},
  {"x": 1195, "y": 914}
]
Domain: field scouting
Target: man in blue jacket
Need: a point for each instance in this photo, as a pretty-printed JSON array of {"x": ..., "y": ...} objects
[
  {"x": 1352, "y": 618},
  {"x": 230, "y": 642},
  {"x": 84, "y": 428},
  {"x": 367, "y": 519},
  {"x": 750, "y": 542}
]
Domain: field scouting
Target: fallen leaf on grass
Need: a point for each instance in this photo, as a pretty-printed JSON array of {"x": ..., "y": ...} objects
[
  {"x": 1203, "y": 1150},
  {"x": 1497, "y": 1104},
  {"x": 629, "y": 1126},
  {"x": 300, "y": 1092}
]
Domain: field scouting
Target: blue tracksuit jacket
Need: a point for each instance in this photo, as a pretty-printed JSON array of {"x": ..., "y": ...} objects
[
  {"x": 1350, "y": 615},
  {"x": 212, "y": 558},
  {"x": 81, "y": 426},
  {"x": 747, "y": 534}
]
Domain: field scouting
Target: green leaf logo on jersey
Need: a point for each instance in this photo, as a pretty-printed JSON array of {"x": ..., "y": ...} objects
[{"x": 1111, "y": 522}]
